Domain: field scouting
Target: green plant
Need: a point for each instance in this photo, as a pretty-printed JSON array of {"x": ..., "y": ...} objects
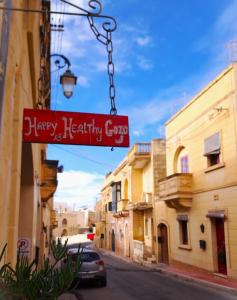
[{"x": 29, "y": 282}]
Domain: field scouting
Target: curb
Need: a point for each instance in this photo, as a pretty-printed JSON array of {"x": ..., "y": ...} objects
[
  {"x": 198, "y": 280},
  {"x": 173, "y": 274}
]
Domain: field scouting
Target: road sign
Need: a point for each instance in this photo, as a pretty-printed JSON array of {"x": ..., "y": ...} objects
[
  {"x": 23, "y": 246},
  {"x": 59, "y": 127}
]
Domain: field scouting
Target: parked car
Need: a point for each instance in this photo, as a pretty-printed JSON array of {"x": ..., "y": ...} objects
[
  {"x": 88, "y": 245},
  {"x": 92, "y": 268}
]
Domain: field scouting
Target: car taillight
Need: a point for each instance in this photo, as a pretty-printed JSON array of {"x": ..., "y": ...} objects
[{"x": 101, "y": 264}]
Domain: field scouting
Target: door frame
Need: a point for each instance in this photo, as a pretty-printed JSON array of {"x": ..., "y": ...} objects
[
  {"x": 159, "y": 243},
  {"x": 214, "y": 245}
]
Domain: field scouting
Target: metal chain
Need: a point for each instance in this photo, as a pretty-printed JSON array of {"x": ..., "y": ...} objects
[
  {"x": 43, "y": 81},
  {"x": 107, "y": 41}
]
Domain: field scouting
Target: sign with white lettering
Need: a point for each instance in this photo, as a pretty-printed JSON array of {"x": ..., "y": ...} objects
[{"x": 72, "y": 128}]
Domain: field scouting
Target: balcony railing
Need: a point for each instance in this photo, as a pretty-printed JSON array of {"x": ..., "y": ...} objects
[
  {"x": 176, "y": 190},
  {"x": 144, "y": 203},
  {"x": 122, "y": 209},
  {"x": 122, "y": 205},
  {"x": 139, "y": 155}
]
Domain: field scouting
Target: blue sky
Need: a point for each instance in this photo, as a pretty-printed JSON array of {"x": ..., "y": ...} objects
[{"x": 164, "y": 53}]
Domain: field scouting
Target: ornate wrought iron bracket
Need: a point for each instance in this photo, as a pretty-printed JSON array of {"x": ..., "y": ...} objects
[
  {"x": 108, "y": 25},
  {"x": 61, "y": 62}
]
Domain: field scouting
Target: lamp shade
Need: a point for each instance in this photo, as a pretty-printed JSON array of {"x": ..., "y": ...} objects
[{"x": 68, "y": 80}]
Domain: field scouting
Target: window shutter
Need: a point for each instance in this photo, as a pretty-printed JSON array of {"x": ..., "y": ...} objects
[
  {"x": 212, "y": 144},
  {"x": 114, "y": 198}
]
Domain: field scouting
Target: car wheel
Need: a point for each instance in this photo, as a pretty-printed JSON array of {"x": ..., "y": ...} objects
[{"x": 103, "y": 282}]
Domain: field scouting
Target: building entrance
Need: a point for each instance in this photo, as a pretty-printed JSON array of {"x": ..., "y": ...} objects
[
  {"x": 163, "y": 244},
  {"x": 220, "y": 244}
]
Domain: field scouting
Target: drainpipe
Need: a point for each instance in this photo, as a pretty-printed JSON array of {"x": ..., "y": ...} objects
[{"x": 5, "y": 30}]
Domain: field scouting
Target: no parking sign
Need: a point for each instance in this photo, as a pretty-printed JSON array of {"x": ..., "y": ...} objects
[{"x": 23, "y": 246}]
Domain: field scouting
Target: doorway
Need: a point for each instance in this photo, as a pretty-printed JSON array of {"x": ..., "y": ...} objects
[
  {"x": 127, "y": 244},
  {"x": 163, "y": 254},
  {"x": 220, "y": 246},
  {"x": 113, "y": 240}
]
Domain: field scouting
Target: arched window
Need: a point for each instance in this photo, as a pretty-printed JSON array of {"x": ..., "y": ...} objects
[
  {"x": 181, "y": 161},
  {"x": 64, "y": 222},
  {"x": 64, "y": 232}
]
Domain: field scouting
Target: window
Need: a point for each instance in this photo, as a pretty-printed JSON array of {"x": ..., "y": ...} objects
[
  {"x": 64, "y": 232},
  {"x": 116, "y": 195},
  {"x": 213, "y": 159},
  {"x": 64, "y": 222},
  {"x": 212, "y": 149},
  {"x": 110, "y": 206},
  {"x": 183, "y": 229},
  {"x": 183, "y": 232},
  {"x": 146, "y": 226},
  {"x": 184, "y": 164}
]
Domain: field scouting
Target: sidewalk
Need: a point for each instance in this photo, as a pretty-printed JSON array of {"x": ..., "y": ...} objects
[{"x": 187, "y": 273}]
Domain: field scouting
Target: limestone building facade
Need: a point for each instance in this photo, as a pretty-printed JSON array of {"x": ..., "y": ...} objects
[
  {"x": 27, "y": 179},
  {"x": 198, "y": 221},
  {"x": 174, "y": 201}
]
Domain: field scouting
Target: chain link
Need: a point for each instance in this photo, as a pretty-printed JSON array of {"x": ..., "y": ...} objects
[{"x": 107, "y": 41}]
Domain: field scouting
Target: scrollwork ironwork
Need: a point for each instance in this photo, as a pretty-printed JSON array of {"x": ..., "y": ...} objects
[
  {"x": 61, "y": 62},
  {"x": 93, "y": 4}
]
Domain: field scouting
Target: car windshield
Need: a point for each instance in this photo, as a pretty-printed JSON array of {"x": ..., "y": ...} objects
[{"x": 86, "y": 256}]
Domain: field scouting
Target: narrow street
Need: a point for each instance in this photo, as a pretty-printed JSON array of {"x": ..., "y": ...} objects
[{"x": 128, "y": 281}]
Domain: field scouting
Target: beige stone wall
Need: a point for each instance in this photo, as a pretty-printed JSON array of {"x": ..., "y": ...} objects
[
  {"x": 134, "y": 234},
  {"x": 213, "y": 188},
  {"x": 21, "y": 164}
]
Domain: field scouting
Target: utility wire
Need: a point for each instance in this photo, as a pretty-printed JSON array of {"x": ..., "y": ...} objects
[{"x": 85, "y": 157}]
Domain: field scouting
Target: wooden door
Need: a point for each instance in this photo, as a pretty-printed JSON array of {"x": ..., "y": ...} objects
[
  {"x": 113, "y": 241},
  {"x": 163, "y": 244},
  {"x": 220, "y": 243}
]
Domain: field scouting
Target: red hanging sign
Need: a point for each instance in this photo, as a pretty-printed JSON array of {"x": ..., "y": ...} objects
[{"x": 72, "y": 128}]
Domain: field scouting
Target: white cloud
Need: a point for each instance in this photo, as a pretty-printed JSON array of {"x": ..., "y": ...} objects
[
  {"x": 219, "y": 36},
  {"x": 79, "y": 188},
  {"x": 83, "y": 81},
  {"x": 143, "y": 41},
  {"x": 144, "y": 63}
]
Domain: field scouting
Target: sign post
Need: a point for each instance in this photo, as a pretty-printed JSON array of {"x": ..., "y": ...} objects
[{"x": 72, "y": 128}]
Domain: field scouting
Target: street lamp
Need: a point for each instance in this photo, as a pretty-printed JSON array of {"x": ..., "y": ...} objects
[{"x": 68, "y": 80}]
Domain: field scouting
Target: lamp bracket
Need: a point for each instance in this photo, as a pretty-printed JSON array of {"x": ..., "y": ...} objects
[{"x": 108, "y": 25}]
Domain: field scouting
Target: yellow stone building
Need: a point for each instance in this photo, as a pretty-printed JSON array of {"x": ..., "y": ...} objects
[
  {"x": 175, "y": 202},
  {"x": 27, "y": 179},
  {"x": 197, "y": 215},
  {"x": 125, "y": 214}
]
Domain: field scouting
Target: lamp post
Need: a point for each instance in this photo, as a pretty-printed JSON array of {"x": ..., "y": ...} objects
[{"x": 68, "y": 80}]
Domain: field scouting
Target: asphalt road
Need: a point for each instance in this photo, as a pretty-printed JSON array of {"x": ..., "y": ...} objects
[{"x": 128, "y": 281}]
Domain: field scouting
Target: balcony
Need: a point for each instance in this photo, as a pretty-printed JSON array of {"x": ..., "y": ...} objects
[
  {"x": 54, "y": 224},
  {"x": 139, "y": 155},
  {"x": 53, "y": 214},
  {"x": 122, "y": 209},
  {"x": 48, "y": 179},
  {"x": 53, "y": 219},
  {"x": 122, "y": 205},
  {"x": 144, "y": 203},
  {"x": 176, "y": 190}
]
